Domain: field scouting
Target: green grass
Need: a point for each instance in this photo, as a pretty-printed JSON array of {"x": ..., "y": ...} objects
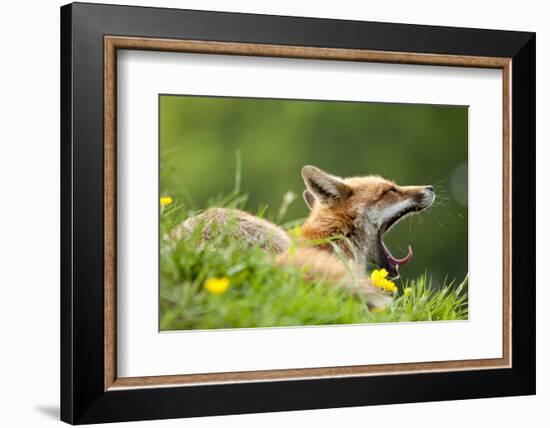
[{"x": 262, "y": 294}]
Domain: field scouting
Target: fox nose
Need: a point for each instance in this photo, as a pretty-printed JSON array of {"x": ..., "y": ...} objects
[{"x": 430, "y": 188}]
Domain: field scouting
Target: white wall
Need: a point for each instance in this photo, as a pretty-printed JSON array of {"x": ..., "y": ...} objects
[{"x": 29, "y": 197}]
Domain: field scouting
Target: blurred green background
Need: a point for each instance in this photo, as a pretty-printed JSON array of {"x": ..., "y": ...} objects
[{"x": 408, "y": 143}]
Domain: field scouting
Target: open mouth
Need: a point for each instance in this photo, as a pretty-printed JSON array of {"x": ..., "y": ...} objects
[{"x": 390, "y": 262}]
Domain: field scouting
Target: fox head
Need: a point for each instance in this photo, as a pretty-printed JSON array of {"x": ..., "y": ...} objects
[{"x": 362, "y": 209}]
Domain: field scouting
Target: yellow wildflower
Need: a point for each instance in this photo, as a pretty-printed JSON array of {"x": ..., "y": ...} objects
[
  {"x": 217, "y": 285},
  {"x": 165, "y": 200},
  {"x": 378, "y": 278}
]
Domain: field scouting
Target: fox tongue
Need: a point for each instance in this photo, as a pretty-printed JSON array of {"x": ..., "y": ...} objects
[{"x": 394, "y": 261}]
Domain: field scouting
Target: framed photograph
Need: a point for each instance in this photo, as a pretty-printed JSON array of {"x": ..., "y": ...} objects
[{"x": 265, "y": 213}]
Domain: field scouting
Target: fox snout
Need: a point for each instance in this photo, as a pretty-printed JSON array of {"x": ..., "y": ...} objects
[
  {"x": 426, "y": 196},
  {"x": 407, "y": 198}
]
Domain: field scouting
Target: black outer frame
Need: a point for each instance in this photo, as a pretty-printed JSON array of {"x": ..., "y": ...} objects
[{"x": 83, "y": 399}]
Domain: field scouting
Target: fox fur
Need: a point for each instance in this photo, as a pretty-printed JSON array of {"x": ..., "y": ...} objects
[{"x": 353, "y": 213}]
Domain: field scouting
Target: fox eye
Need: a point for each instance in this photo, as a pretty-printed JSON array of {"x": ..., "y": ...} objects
[{"x": 391, "y": 190}]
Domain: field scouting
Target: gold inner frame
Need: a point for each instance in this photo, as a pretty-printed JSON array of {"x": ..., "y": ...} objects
[{"x": 113, "y": 43}]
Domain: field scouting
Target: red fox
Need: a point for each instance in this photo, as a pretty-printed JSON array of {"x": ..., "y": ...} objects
[{"x": 351, "y": 214}]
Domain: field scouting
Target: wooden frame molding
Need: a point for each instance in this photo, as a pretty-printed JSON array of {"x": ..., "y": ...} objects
[{"x": 113, "y": 43}]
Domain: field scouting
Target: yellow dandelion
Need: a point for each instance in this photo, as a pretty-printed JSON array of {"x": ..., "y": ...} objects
[
  {"x": 165, "y": 200},
  {"x": 379, "y": 280},
  {"x": 217, "y": 285}
]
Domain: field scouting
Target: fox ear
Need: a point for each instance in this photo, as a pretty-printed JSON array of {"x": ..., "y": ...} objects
[
  {"x": 309, "y": 198},
  {"x": 326, "y": 188}
]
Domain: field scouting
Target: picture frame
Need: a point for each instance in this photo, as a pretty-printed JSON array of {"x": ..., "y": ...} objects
[{"x": 91, "y": 36}]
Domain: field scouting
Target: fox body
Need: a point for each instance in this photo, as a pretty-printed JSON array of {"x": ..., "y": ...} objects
[
  {"x": 251, "y": 229},
  {"x": 352, "y": 213}
]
